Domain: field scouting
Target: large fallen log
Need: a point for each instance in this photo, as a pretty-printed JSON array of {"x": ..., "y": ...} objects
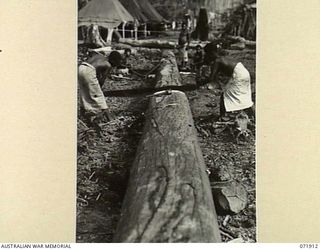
[
  {"x": 157, "y": 44},
  {"x": 150, "y": 43},
  {"x": 168, "y": 197}
]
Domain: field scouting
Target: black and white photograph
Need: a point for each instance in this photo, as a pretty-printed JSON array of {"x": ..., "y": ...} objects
[{"x": 166, "y": 124}]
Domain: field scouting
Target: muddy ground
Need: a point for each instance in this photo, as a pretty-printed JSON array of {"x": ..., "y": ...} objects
[{"x": 104, "y": 160}]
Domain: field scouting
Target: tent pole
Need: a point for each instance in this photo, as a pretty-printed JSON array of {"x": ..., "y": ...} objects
[
  {"x": 135, "y": 27},
  {"x": 124, "y": 30},
  {"x": 110, "y": 32},
  {"x": 145, "y": 31}
]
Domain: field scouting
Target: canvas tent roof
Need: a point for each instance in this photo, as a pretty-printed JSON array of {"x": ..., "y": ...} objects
[
  {"x": 105, "y": 13},
  {"x": 135, "y": 9},
  {"x": 219, "y": 6},
  {"x": 142, "y": 10},
  {"x": 151, "y": 11}
]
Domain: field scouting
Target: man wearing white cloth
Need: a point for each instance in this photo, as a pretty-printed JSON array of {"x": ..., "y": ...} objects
[
  {"x": 90, "y": 73},
  {"x": 236, "y": 94}
]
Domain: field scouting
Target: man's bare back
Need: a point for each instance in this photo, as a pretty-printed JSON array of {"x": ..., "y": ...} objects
[
  {"x": 100, "y": 62},
  {"x": 222, "y": 65}
]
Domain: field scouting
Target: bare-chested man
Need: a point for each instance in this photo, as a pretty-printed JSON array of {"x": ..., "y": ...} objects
[
  {"x": 184, "y": 41},
  {"x": 236, "y": 94},
  {"x": 91, "y": 76}
]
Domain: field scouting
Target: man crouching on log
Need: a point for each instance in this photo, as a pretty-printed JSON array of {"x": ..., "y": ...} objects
[
  {"x": 91, "y": 76},
  {"x": 236, "y": 94}
]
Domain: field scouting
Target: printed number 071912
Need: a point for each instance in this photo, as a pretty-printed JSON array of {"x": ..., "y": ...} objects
[{"x": 309, "y": 246}]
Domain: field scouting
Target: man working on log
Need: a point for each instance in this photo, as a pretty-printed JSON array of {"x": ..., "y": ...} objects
[
  {"x": 236, "y": 94},
  {"x": 126, "y": 58},
  {"x": 198, "y": 61},
  {"x": 91, "y": 76},
  {"x": 184, "y": 40}
]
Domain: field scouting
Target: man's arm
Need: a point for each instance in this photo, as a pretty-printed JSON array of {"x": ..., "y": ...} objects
[{"x": 102, "y": 72}]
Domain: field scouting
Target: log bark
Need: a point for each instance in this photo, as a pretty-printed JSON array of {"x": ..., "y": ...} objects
[
  {"x": 168, "y": 197},
  {"x": 168, "y": 74}
]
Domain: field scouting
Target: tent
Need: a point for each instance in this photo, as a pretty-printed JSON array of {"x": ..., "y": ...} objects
[
  {"x": 219, "y": 6},
  {"x": 135, "y": 10},
  {"x": 104, "y": 13},
  {"x": 216, "y": 6},
  {"x": 150, "y": 11},
  {"x": 142, "y": 10}
]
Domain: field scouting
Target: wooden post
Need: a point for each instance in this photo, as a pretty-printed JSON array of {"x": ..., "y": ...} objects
[
  {"x": 109, "y": 37},
  {"x": 124, "y": 30},
  {"x": 135, "y": 33},
  {"x": 145, "y": 31},
  {"x": 135, "y": 28},
  {"x": 169, "y": 196}
]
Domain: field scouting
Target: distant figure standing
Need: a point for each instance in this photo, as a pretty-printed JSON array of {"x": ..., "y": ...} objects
[
  {"x": 126, "y": 57},
  {"x": 187, "y": 20},
  {"x": 173, "y": 25},
  {"x": 184, "y": 41},
  {"x": 236, "y": 94},
  {"x": 198, "y": 60},
  {"x": 135, "y": 28}
]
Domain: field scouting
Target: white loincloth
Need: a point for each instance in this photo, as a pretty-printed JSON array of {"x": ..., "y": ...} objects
[
  {"x": 91, "y": 95},
  {"x": 237, "y": 93},
  {"x": 184, "y": 53}
]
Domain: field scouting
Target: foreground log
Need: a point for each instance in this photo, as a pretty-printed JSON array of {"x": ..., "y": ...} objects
[
  {"x": 168, "y": 197},
  {"x": 168, "y": 73}
]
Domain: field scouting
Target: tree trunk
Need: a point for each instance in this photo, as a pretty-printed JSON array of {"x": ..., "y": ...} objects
[
  {"x": 168, "y": 197},
  {"x": 202, "y": 29},
  {"x": 93, "y": 37},
  {"x": 168, "y": 72}
]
